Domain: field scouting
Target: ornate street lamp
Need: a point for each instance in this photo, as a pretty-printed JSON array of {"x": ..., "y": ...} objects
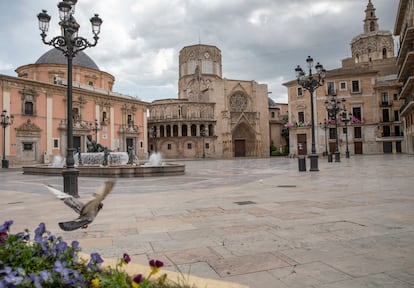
[
  {"x": 311, "y": 82},
  {"x": 6, "y": 120},
  {"x": 345, "y": 117},
  {"x": 325, "y": 125},
  {"x": 70, "y": 44},
  {"x": 332, "y": 106}
]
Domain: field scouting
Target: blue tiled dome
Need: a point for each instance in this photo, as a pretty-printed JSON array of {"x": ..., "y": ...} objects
[{"x": 55, "y": 56}]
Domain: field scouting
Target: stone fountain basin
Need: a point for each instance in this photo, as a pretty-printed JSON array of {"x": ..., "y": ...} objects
[{"x": 117, "y": 171}]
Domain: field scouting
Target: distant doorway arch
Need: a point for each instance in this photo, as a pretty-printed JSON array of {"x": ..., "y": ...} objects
[{"x": 244, "y": 141}]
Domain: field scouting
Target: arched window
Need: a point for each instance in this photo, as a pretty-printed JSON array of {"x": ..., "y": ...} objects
[
  {"x": 28, "y": 108},
  {"x": 184, "y": 130},
  {"x": 168, "y": 131},
  {"x": 193, "y": 130},
  {"x": 210, "y": 130},
  {"x": 203, "y": 131},
  {"x": 175, "y": 131},
  {"x": 161, "y": 131},
  {"x": 372, "y": 26},
  {"x": 384, "y": 53}
]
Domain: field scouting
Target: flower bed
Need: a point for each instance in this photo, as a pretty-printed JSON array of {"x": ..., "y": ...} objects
[{"x": 48, "y": 261}]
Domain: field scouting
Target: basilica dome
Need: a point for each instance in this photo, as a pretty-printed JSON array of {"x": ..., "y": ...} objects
[{"x": 55, "y": 56}]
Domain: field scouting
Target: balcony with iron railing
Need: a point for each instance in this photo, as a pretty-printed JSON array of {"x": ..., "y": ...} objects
[
  {"x": 385, "y": 103},
  {"x": 409, "y": 102},
  {"x": 408, "y": 85},
  {"x": 392, "y": 134},
  {"x": 406, "y": 66},
  {"x": 128, "y": 128},
  {"x": 406, "y": 42}
]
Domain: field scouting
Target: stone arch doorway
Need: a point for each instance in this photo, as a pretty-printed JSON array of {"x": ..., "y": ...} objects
[{"x": 244, "y": 141}]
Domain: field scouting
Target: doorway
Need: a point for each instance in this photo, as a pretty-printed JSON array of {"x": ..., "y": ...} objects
[
  {"x": 302, "y": 144},
  {"x": 240, "y": 148},
  {"x": 358, "y": 147},
  {"x": 129, "y": 143},
  {"x": 77, "y": 142},
  {"x": 387, "y": 147}
]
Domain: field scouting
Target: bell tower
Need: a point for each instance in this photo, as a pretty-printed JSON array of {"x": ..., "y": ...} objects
[
  {"x": 373, "y": 44},
  {"x": 199, "y": 65},
  {"x": 371, "y": 21}
]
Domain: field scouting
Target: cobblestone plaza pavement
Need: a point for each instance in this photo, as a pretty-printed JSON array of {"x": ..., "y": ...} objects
[{"x": 258, "y": 222}]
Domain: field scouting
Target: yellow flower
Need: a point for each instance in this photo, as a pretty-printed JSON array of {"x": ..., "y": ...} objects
[
  {"x": 134, "y": 284},
  {"x": 95, "y": 283},
  {"x": 155, "y": 266}
]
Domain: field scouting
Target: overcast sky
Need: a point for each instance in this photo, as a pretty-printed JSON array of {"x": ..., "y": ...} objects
[{"x": 140, "y": 40}]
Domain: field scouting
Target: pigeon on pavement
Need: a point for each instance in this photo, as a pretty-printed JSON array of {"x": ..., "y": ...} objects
[{"x": 88, "y": 211}]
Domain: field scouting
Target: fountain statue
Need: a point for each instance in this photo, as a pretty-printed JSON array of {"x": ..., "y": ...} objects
[{"x": 93, "y": 146}]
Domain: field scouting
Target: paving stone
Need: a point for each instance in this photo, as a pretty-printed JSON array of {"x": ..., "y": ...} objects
[
  {"x": 246, "y": 264},
  {"x": 378, "y": 280},
  {"x": 309, "y": 274},
  {"x": 349, "y": 225},
  {"x": 257, "y": 280}
]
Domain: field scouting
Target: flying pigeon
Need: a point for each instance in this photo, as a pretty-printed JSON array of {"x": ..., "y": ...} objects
[{"x": 88, "y": 211}]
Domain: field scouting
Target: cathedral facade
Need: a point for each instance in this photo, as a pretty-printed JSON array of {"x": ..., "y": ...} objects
[{"x": 213, "y": 117}]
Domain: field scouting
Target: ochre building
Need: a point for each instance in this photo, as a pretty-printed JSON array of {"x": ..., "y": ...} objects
[
  {"x": 366, "y": 86},
  {"x": 213, "y": 117}
]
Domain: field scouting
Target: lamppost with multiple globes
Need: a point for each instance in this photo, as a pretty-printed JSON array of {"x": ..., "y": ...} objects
[
  {"x": 345, "y": 117},
  {"x": 325, "y": 125},
  {"x": 6, "y": 120},
  {"x": 332, "y": 107},
  {"x": 311, "y": 82},
  {"x": 70, "y": 44}
]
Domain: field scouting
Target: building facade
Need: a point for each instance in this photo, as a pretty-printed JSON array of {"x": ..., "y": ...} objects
[
  {"x": 404, "y": 28},
  {"x": 278, "y": 117},
  {"x": 37, "y": 100},
  {"x": 365, "y": 88},
  {"x": 213, "y": 117}
]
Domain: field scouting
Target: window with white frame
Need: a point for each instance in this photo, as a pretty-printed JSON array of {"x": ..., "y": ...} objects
[
  {"x": 55, "y": 143},
  {"x": 330, "y": 88},
  {"x": 355, "y": 86},
  {"x": 342, "y": 86}
]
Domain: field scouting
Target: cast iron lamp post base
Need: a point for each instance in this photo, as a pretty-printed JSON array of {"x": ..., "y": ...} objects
[
  {"x": 313, "y": 162},
  {"x": 337, "y": 156},
  {"x": 70, "y": 181}
]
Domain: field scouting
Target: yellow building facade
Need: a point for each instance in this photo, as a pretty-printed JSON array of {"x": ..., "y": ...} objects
[{"x": 366, "y": 87}]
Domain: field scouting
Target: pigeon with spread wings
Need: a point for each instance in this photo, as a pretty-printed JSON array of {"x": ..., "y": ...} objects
[{"x": 88, "y": 211}]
